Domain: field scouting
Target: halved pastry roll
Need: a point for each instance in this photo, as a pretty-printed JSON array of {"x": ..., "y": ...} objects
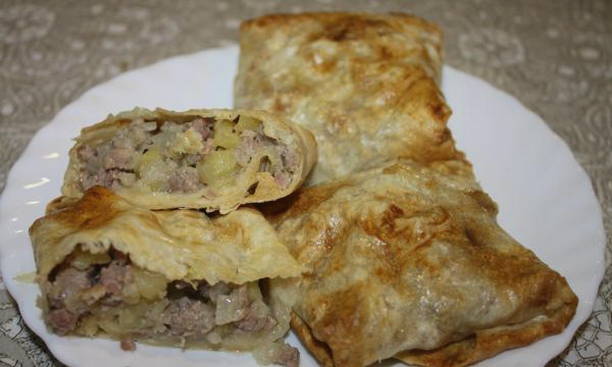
[
  {"x": 179, "y": 278},
  {"x": 407, "y": 260},
  {"x": 210, "y": 159},
  {"x": 364, "y": 84}
]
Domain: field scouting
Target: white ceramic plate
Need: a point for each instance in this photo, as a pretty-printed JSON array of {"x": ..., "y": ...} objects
[{"x": 545, "y": 197}]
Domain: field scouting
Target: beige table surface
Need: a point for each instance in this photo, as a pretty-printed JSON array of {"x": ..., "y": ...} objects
[{"x": 555, "y": 56}]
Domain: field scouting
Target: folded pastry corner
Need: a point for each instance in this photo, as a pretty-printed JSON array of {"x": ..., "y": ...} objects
[
  {"x": 211, "y": 159},
  {"x": 407, "y": 260},
  {"x": 364, "y": 84},
  {"x": 178, "y": 278}
]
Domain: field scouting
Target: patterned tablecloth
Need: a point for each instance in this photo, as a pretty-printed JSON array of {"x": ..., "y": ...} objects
[{"x": 553, "y": 55}]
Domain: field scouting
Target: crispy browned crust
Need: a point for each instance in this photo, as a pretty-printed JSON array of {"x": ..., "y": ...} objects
[
  {"x": 484, "y": 344},
  {"x": 93, "y": 210},
  {"x": 407, "y": 257},
  {"x": 180, "y": 244},
  {"x": 356, "y": 22},
  {"x": 364, "y": 84},
  {"x": 319, "y": 350},
  {"x": 490, "y": 342}
]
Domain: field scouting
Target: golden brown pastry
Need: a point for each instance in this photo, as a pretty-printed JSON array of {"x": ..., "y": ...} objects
[
  {"x": 179, "y": 278},
  {"x": 407, "y": 260},
  {"x": 364, "y": 84},
  {"x": 211, "y": 159}
]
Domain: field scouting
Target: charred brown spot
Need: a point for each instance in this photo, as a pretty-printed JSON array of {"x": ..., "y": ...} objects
[
  {"x": 354, "y": 27},
  {"x": 322, "y": 66},
  {"x": 383, "y": 226},
  {"x": 273, "y": 209},
  {"x": 279, "y": 105},
  {"x": 345, "y": 312},
  {"x": 390, "y": 215},
  {"x": 484, "y": 201},
  {"x": 440, "y": 111},
  {"x": 393, "y": 169},
  {"x": 123, "y": 122},
  {"x": 329, "y": 238},
  {"x": 92, "y": 211},
  {"x": 474, "y": 238},
  {"x": 305, "y": 199},
  {"x": 338, "y": 35},
  {"x": 338, "y": 122},
  {"x": 386, "y": 53},
  {"x": 265, "y": 21},
  {"x": 251, "y": 190},
  {"x": 128, "y": 345}
]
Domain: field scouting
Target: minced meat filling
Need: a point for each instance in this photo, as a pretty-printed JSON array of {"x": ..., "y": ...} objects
[
  {"x": 189, "y": 310},
  {"x": 183, "y": 157},
  {"x": 92, "y": 293}
]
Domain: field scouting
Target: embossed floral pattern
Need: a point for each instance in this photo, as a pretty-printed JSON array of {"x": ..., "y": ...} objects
[
  {"x": 492, "y": 47},
  {"x": 25, "y": 22},
  {"x": 555, "y": 56},
  {"x": 133, "y": 27}
]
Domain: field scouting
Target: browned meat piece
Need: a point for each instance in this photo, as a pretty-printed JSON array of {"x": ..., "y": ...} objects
[
  {"x": 88, "y": 155},
  {"x": 209, "y": 144},
  {"x": 187, "y": 317},
  {"x": 250, "y": 142},
  {"x": 282, "y": 178},
  {"x": 287, "y": 356},
  {"x": 106, "y": 164},
  {"x": 73, "y": 292},
  {"x": 64, "y": 290},
  {"x": 192, "y": 159},
  {"x": 289, "y": 158},
  {"x": 128, "y": 345},
  {"x": 254, "y": 321},
  {"x": 120, "y": 158},
  {"x": 115, "y": 276},
  {"x": 135, "y": 136},
  {"x": 202, "y": 127},
  {"x": 62, "y": 321},
  {"x": 106, "y": 178},
  {"x": 185, "y": 179},
  {"x": 63, "y": 296}
]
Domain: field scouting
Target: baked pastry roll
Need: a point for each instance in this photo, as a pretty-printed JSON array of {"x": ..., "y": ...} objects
[
  {"x": 364, "y": 84},
  {"x": 407, "y": 260},
  {"x": 178, "y": 278},
  {"x": 211, "y": 159}
]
